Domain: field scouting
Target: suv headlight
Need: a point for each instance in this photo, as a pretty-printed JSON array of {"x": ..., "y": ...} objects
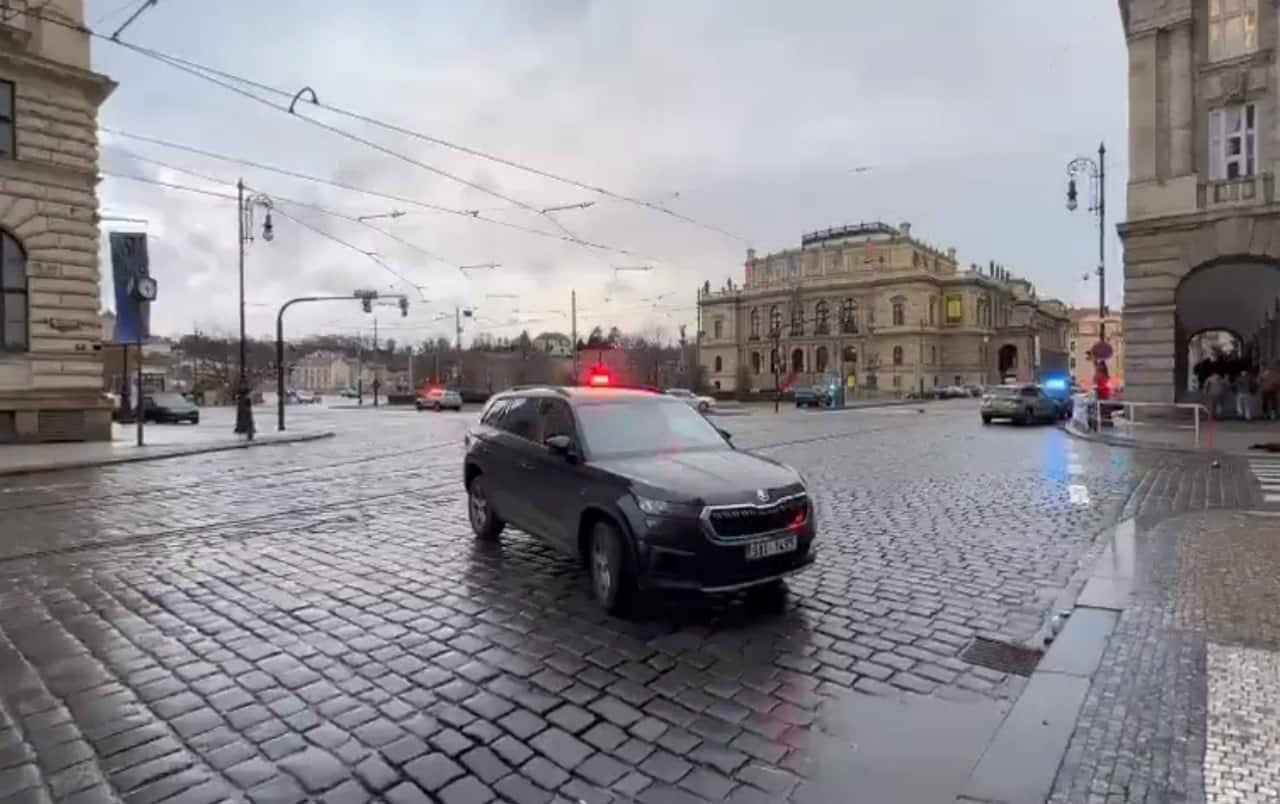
[{"x": 666, "y": 508}]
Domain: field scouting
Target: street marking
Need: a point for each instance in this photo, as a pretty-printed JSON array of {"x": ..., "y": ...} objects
[
  {"x": 1079, "y": 494},
  {"x": 1267, "y": 473}
]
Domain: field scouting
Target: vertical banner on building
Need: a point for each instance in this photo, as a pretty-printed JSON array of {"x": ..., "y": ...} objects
[{"x": 129, "y": 261}]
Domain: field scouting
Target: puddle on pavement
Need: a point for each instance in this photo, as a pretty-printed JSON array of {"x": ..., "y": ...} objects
[{"x": 915, "y": 750}]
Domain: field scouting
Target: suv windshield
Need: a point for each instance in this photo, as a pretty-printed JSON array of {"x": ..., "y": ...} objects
[
  {"x": 170, "y": 400},
  {"x": 620, "y": 428}
]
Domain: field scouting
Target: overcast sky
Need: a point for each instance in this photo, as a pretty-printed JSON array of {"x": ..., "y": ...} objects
[{"x": 749, "y": 116}]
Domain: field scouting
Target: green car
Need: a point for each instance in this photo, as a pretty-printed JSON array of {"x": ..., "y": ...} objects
[{"x": 1020, "y": 404}]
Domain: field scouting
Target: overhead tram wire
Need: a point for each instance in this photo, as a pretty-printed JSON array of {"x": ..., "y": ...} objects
[
  {"x": 205, "y": 72},
  {"x": 229, "y": 197},
  {"x": 463, "y": 213}
]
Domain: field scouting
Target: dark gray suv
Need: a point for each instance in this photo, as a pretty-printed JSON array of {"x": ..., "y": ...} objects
[{"x": 640, "y": 487}]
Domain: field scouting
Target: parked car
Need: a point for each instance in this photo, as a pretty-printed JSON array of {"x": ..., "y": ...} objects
[
  {"x": 703, "y": 404},
  {"x": 813, "y": 396},
  {"x": 1020, "y": 404},
  {"x": 953, "y": 392},
  {"x": 348, "y": 393},
  {"x": 302, "y": 397},
  {"x": 169, "y": 407},
  {"x": 439, "y": 399},
  {"x": 590, "y": 470},
  {"x": 974, "y": 390}
]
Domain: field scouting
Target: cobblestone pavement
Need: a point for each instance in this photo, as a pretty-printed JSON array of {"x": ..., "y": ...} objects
[
  {"x": 316, "y": 623},
  {"x": 1183, "y": 708}
]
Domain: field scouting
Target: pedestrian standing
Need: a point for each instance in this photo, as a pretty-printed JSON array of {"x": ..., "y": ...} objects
[
  {"x": 1269, "y": 385},
  {"x": 1213, "y": 390},
  {"x": 1246, "y": 387}
]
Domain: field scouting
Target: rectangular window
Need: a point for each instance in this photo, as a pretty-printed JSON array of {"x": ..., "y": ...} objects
[
  {"x": 8, "y": 133},
  {"x": 955, "y": 309},
  {"x": 1233, "y": 28},
  {"x": 1233, "y": 142},
  {"x": 13, "y": 295},
  {"x": 718, "y": 326}
]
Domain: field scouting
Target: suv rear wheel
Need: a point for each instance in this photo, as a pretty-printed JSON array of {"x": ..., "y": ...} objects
[
  {"x": 611, "y": 579},
  {"x": 485, "y": 522}
]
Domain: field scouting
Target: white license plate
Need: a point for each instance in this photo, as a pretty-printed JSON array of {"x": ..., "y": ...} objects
[{"x": 770, "y": 547}]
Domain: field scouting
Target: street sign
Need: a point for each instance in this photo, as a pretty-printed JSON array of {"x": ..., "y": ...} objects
[{"x": 1101, "y": 351}]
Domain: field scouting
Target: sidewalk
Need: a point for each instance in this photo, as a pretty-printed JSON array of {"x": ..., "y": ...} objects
[
  {"x": 1233, "y": 436},
  {"x": 213, "y": 434},
  {"x": 1181, "y": 707}
]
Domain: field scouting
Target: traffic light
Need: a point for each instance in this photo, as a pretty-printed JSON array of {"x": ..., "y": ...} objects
[
  {"x": 404, "y": 306},
  {"x": 366, "y": 304}
]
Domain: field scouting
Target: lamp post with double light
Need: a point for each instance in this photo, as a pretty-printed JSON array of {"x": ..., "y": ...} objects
[
  {"x": 1096, "y": 172},
  {"x": 244, "y": 221}
]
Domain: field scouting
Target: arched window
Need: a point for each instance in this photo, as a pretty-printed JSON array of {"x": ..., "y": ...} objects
[
  {"x": 719, "y": 364},
  {"x": 775, "y": 320},
  {"x": 821, "y": 315},
  {"x": 849, "y": 316},
  {"x": 797, "y": 360},
  {"x": 820, "y": 359},
  {"x": 897, "y": 355},
  {"x": 755, "y": 362},
  {"x": 899, "y": 313},
  {"x": 797, "y": 318},
  {"x": 755, "y": 323},
  {"x": 13, "y": 295}
]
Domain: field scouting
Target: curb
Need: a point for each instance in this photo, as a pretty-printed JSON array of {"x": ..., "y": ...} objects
[
  {"x": 1118, "y": 442},
  {"x": 179, "y": 453}
]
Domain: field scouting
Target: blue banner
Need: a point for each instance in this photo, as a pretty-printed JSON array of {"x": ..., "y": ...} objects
[{"x": 129, "y": 260}]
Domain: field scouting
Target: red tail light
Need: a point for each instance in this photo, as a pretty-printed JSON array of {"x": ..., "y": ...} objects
[{"x": 801, "y": 517}]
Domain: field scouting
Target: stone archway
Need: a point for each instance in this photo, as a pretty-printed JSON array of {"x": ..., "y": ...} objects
[
  {"x": 1007, "y": 361},
  {"x": 1235, "y": 296},
  {"x": 1179, "y": 279}
]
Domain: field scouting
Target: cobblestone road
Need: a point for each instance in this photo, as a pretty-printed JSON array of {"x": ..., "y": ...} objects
[{"x": 315, "y": 622}]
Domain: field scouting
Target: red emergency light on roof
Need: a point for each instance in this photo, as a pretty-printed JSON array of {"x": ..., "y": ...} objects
[{"x": 598, "y": 378}]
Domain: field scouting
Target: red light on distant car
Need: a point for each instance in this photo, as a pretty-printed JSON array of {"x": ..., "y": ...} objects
[{"x": 598, "y": 378}]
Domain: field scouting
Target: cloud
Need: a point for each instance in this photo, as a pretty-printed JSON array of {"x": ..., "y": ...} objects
[{"x": 753, "y": 112}]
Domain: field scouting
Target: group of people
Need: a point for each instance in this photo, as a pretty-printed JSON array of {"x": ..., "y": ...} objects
[{"x": 1240, "y": 392}]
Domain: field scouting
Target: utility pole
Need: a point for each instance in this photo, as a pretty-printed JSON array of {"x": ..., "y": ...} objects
[
  {"x": 360, "y": 369},
  {"x": 457, "y": 324},
  {"x": 573, "y": 331}
]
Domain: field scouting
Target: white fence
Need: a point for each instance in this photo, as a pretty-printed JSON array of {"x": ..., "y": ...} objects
[{"x": 1125, "y": 417}]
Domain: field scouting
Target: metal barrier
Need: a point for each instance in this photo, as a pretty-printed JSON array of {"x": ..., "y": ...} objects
[{"x": 1091, "y": 414}]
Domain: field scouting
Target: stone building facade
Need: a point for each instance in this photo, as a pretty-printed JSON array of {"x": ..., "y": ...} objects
[
  {"x": 881, "y": 309},
  {"x": 1084, "y": 334},
  {"x": 1202, "y": 235},
  {"x": 50, "y": 364}
]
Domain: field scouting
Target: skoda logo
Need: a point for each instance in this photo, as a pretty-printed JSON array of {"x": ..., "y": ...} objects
[{"x": 762, "y": 495}]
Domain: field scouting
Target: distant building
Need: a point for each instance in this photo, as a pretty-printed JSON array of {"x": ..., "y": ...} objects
[
  {"x": 554, "y": 343},
  {"x": 321, "y": 372},
  {"x": 881, "y": 309},
  {"x": 50, "y": 369},
  {"x": 1084, "y": 335}
]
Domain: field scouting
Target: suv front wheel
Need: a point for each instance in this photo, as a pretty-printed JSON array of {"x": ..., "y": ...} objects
[
  {"x": 484, "y": 520},
  {"x": 611, "y": 579}
]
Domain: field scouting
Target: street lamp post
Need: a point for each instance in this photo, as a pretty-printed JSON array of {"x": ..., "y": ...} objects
[
  {"x": 244, "y": 220},
  {"x": 1096, "y": 171}
]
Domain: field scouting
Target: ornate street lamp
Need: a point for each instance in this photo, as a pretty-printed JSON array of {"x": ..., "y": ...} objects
[
  {"x": 244, "y": 220},
  {"x": 1096, "y": 171}
]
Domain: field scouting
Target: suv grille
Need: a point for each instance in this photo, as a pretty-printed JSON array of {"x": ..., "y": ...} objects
[{"x": 743, "y": 523}]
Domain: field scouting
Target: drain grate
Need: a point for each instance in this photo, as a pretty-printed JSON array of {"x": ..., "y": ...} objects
[{"x": 1002, "y": 656}]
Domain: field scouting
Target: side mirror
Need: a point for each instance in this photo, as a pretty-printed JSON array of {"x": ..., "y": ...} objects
[{"x": 561, "y": 445}]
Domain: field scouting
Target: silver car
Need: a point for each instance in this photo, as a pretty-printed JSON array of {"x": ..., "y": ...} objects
[
  {"x": 1020, "y": 404},
  {"x": 702, "y": 404}
]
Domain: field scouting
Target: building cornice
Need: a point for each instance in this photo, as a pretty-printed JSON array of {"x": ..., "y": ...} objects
[
  {"x": 95, "y": 86},
  {"x": 1192, "y": 220}
]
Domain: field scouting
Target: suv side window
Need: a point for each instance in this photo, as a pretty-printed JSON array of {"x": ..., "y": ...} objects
[
  {"x": 521, "y": 418},
  {"x": 556, "y": 417},
  {"x": 493, "y": 416}
]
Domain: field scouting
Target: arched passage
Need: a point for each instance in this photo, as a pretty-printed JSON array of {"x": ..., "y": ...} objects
[
  {"x": 1007, "y": 360},
  {"x": 1236, "y": 297},
  {"x": 1212, "y": 351}
]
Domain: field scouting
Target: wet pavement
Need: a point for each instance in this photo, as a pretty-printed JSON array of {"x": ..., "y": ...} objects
[
  {"x": 1183, "y": 707},
  {"x": 315, "y": 622}
]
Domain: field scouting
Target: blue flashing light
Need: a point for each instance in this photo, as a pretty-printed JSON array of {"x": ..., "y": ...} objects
[{"x": 1056, "y": 384}]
